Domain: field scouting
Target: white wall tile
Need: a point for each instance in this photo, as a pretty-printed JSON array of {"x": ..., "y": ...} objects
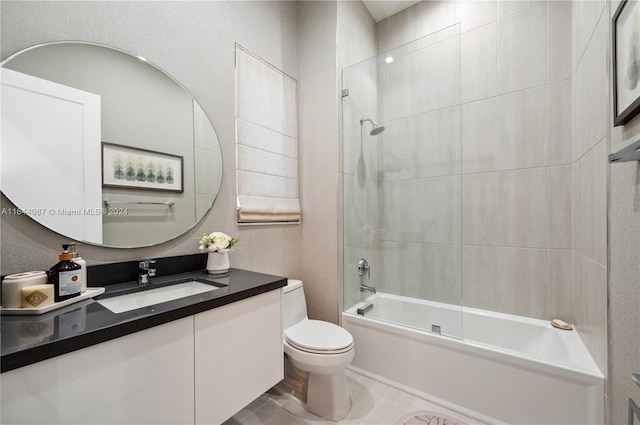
[
  {"x": 440, "y": 75},
  {"x": 433, "y": 16},
  {"x": 522, "y": 52},
  {"x": 442, "y": 273},
  {"x": 474, "y": 14},
  {"x": 584, "y": 16},
  {"x": 398, "y": 262},
  {"x": 480, "y": 277},
  {"x": 397, "y": 146},
  {"x": 523, "y": 281},
  {"x": 440, "y": 209},
  {"x": 561, "y": 302},
  {"x": 479, "y": 136},
  {"x": 419, "y": 20},
  {"x": 480, "y": 209},
  {"x": 405, "y": 78},
  {"x": 560, "y": 144},
  {"x": 524, "y": 219},
  {"x": 590, "y": 101},
  {"x": 590, "y": 292},
  {"x": 560, "y": 208},
  {"x": 478, "y": 63},
  {"x": 399, "y": 204},
  {"x": 438, "y": 142},
  {"x": 522, "y": 129},
  {"x": 359, "y": 215},
  {"x": 559, "y": 41},
  {"x": 511, "y": 7},
  {"x": 592, "y": 204}
]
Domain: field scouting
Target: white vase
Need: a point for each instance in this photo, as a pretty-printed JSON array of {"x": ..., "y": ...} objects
[{"x": 218, "y": 262}]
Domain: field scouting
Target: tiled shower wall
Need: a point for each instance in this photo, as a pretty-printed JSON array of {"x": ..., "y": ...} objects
[
  {"x": 514, "y": 154},
  {"x": 588, "y": 294},
  {"x": 500, "y": 182}
]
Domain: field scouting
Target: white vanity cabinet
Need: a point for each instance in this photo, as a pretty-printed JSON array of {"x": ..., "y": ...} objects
[
  {"x": 199, "y": 369},
  {"x": 238, "y": 355},
  {"x": 144, "y": 377}
]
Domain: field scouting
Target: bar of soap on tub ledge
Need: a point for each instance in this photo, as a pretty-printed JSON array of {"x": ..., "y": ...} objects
[{"x": 561, "y": 324}]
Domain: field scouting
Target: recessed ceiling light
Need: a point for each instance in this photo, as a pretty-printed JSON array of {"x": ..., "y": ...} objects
[{"x": 389, "y": 59}]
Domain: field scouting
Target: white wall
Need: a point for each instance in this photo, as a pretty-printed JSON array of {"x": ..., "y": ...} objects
[
  {"x": 319, "y": 157},
  {"x": 193, "y": 42}
]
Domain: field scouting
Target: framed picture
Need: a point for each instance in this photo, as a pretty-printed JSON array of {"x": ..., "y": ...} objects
[
  {"x": 132, "y": 168},
  {"x": 626, "y": 62}
]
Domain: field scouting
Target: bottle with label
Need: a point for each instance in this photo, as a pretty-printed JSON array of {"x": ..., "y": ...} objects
[
  {"x": 79, "y": 260},
  {"x": 66, "y": 276}
]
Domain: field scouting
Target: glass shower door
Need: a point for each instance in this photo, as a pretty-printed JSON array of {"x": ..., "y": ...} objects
[{"x": 402, "y": 184}]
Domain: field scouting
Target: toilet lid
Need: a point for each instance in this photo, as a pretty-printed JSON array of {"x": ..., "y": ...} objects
[{"x": 317, "y": 336}]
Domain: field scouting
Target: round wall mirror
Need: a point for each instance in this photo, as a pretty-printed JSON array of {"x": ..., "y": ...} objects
[{"x": 103, "y": 147}]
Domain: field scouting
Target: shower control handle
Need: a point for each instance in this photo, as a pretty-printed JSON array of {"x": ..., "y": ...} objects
[{"x": 363, "y": 267}]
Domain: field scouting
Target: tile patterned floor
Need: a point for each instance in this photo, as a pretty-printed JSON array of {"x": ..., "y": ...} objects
[{"x": 373, "y": 403}]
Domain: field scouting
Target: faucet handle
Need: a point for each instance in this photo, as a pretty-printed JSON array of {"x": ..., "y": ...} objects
[
  {"x": 145, "y": 264},
  {"x": 363, "y": 267}
]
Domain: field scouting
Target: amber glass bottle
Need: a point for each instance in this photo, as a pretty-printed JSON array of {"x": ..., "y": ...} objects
[{"x": 65, "y": 276}]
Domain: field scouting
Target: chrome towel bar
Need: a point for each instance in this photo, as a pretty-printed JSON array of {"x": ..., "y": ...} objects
[
  {"x": 633, "y": 407},
  {"x": 166, "y": 203},
  {"x": 630, "y": 153}
]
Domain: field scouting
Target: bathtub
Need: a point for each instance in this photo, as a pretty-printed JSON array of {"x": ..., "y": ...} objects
[{"x": 494, "y": 367}]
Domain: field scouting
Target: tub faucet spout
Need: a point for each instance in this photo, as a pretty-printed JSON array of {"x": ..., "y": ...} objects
[{"x": 367, "y": 288}]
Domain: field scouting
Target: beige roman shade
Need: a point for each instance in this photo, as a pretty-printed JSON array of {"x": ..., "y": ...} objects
[{"x": 266, "y": 142}]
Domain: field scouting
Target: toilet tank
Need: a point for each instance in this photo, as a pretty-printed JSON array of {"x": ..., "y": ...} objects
[{"x": 294, "y": 304}]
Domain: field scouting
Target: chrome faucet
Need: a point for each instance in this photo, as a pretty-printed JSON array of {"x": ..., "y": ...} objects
[
  {"x": 363, "y": 267},
  {"x": 367, "y": 288},
  {"x": 146, "y": 272}
]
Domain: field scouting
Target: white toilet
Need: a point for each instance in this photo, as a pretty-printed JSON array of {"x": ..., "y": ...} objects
[{"x": 316, "y": 354}]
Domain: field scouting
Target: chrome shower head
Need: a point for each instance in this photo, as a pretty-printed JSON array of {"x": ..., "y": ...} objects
[{"x": 377, "y": 128}]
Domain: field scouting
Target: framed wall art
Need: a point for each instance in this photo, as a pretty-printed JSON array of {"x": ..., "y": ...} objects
[
  {"x": 626, "y": 62},
  {"x": 132, "y": 168}
]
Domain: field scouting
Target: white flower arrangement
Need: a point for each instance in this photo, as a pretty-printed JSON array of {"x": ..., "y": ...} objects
[{"x": 216, "y": 242}]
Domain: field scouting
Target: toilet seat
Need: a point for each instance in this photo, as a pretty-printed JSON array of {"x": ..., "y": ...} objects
[{"x": 318, "y": 337}]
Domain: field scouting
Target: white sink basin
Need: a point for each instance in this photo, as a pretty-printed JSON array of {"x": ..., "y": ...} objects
[{"x": 149, "y": 297}]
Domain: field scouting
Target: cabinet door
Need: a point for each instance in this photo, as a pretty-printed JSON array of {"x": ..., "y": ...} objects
[
  {"x": 238, "y": 355},
  {"x": 142, "y": 378}
]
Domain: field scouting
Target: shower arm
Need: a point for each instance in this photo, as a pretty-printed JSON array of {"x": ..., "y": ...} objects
[{"x": 362, "y": 120}]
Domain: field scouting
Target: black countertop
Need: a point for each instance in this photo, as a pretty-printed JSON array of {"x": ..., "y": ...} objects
[{"x": 30, "y": 339}]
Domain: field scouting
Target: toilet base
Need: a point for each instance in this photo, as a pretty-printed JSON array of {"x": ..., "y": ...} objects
[{"x": 326, "y": 396}]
